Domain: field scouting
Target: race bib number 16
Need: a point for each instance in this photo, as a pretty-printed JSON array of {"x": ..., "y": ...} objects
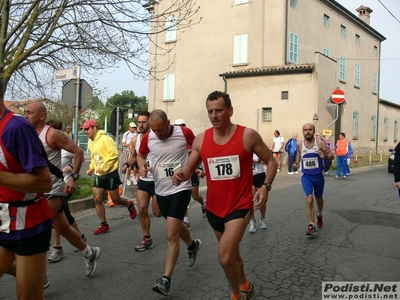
[
  {"x": 224, "y": 168},
  {"x": 166, "y": 170}
]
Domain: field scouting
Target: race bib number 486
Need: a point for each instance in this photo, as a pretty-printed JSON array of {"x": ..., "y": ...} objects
[{"x": 224, "y": 168}]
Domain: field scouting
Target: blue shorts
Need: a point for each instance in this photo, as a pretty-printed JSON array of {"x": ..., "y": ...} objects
[
  {"x": 313, "y": 182},
  {"x": 146, "y": 186}
]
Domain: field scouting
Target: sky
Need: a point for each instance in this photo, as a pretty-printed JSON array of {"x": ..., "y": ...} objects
[{"x": 381, "y": 20}]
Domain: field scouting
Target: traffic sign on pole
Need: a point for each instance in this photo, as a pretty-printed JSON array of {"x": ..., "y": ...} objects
[
  {"x": 69, "y": 94},
  {"x": 66, "y": 74},
  {"x": 338, "y": 96}
]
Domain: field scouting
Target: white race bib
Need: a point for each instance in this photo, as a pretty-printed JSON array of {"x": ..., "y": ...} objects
[
  {"x": 310, "y": 163},
  {"x": 4, "y": 218},
  {"x": 166, "y": 170},
  {"x": 224, "y": 168}
]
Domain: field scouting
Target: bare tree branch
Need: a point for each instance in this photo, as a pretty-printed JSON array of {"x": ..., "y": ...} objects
[{"x": 38, "y": 37}]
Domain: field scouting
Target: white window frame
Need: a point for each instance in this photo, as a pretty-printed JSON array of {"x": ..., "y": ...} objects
[
  {"x": 240, "y": 49},
  {"x": 169, "y": 87},
  {"x": 171, "y": 29}
]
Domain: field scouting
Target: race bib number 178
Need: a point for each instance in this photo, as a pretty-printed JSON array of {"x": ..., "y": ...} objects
[{"x": 224, "y": 168}]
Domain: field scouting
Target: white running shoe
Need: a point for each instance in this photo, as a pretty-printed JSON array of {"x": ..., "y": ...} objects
[
  {"x": 134, "y": 180},
  {"x": 253, "y": 226},
  {"x": 263, "y": 224},
  {"x": 55, "y": 254}
]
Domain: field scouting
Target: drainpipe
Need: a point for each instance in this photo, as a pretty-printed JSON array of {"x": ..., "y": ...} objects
[
  {"x": 225, "y": 84},
  {"x": 377, "y": 106},
  {"x": 286, "y": 32}
]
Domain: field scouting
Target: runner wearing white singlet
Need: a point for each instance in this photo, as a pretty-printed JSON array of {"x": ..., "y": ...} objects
[{"x": 167, "y": 145}]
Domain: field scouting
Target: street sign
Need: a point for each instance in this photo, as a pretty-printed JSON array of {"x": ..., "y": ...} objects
[
  {"x": 85, "y": 95},
  {"x": 66, "y": 74},
  {"x": 338, "y": 96},
  {"x": 327, "y": 132},
  {"x": 114, "y": 127}
]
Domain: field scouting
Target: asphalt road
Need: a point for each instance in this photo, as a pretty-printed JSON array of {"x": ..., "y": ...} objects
[{"x": 360, "y": 241}]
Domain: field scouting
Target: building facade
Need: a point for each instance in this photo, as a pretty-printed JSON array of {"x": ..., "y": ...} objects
[{"x": 280, "y": 62}]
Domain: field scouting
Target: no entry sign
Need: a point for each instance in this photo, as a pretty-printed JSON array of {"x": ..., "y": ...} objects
[{"x": 338, "y": 96}]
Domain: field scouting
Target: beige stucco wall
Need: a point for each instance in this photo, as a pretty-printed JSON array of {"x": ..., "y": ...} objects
[
  {"x": 204, "y": 51},
  {"x": 392, "y": 115}
]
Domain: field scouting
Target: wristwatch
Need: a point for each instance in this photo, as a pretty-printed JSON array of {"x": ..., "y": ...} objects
[
  {"x": 268, "y": 185},
  {"x": 75, "y": 176}
]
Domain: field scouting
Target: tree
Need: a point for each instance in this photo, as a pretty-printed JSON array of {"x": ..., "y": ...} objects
[
  {"x": 38, "y": 37},
  {"x": 125, "y": 101}
]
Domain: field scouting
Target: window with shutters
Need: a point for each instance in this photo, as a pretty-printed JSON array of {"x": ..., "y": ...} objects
[
  {"x": 240, "y": 44},
  {"x": 356, "y": 121},
  {"x": 373, "y": 127},
  {"x": 169, "y": 87},
  {"x": 375, "y": 83},
  {"x": 386, "y": 129},
  {"x": 356, "y": 75},
  {"x": 294, "y": 48},
  {"x": 342, "y": 69},
  {"x": 170, "y": 25}
]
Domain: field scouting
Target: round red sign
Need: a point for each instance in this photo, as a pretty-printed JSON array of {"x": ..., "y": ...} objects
[{"x": 338, "y": 96}]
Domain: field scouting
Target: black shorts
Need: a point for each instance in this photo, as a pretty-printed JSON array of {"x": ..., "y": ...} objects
[
  {"x": 195, "y": 179},
  {"x": 64, "y": 200},
  {"x": 29, "y": 246},
  {"x": 70, "y": 218},
  {"x": 174, "y": 205},
  {"x": 259, "y": 179},
  {"x": 218, "y": 223},
  {"x": 107, "y": 182},
  {"x": 146, "y": 186}
]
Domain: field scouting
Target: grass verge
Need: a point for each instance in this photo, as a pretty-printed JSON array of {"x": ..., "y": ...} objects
[
  {"x": 84, "y": 189},
  {"x": 364, "y": 160}
]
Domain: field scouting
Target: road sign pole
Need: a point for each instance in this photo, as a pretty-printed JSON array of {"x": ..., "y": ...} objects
[
  {"x": 78, "y": 77},
  {"x": 117, "y": 129}
]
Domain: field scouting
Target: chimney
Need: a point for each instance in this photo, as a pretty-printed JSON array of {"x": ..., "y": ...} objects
[{"x": 364, "y": 13}]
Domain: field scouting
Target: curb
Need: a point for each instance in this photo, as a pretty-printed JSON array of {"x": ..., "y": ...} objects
[
  {"x": 81, "y": 204},
  {"x": 88, "y": 203}
]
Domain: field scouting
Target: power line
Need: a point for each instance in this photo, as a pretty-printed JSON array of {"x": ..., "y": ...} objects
[{"x": 388, "y": 11}]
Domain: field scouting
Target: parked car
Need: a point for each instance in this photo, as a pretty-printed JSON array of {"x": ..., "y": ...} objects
[{"x": 391, "y": 161}]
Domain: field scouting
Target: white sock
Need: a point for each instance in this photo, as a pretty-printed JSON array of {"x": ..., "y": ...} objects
[
  {"x": 186, "y": 219},
  {"x": 87, "y": 252}
]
